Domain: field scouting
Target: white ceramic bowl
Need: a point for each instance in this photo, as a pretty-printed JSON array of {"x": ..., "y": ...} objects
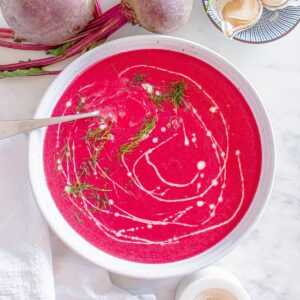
[{"x": 84, "y": 248}]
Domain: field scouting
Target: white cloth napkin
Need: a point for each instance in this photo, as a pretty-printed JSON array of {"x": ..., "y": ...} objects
[{"x": 34, "y": 264}]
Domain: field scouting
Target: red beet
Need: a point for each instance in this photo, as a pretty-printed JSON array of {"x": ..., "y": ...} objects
[
  {"x": 47, "y": 22},
  {"x": 161, "y": 16}
]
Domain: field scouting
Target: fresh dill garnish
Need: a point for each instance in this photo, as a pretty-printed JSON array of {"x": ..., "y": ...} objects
[
  {"x": 65, "y": 153},
  {"x": 146, "y": 129},
  {"x": 129, "y": 184},
  {"x": 78, "y": 188},
  {"x": 97, "y": 139},
  {"x": 84, "y": 169},
  {"x": 94, "y": 134},
  {"x": 80, "y": 105},
  {"x": 128, "y": 148},
  {"x": 100, "y": 202},
  {"x": 176, "y": 93},
  {"x": 158, "y": 99},
  {"x": 114, "y": 69},
  {"x": 77, "y": 217},
  {"x": 94, "y": 160},
  {"x": 138, "y": 78},
  {"x": 99, "y": 134},
  {"x": 135, "y": 140},
  {"x": 106, "y": 171}
]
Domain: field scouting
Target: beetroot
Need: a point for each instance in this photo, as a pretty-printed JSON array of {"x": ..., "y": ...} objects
[
  {"x": 47, "y": 22},
  {"x": 161, "y": 16},
  {"x": 59, "y": 21}
]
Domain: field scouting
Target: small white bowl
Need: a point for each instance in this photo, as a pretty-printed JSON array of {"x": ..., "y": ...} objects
[
  {"x": 194, "y": 285},
  {"x": 87, "y": 250}
]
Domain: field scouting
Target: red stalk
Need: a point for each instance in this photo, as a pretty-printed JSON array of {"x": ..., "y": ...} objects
[
  {"x": 79, "y": 35},
  {"x": 98, "y": 11},
  {"x": 94, "y": 24},
  {"x": 110, "y": 27},
  {"x": 6, "y": 33},
  {"x": 104, "y": 17},
  {"x": 35, "y": 47}
]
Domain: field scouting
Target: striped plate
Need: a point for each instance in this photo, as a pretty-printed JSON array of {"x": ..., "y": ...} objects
[{"x": 272, "y": 26}]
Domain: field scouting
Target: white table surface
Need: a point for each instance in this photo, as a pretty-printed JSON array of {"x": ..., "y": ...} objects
[{"x": 268, "y": 262}]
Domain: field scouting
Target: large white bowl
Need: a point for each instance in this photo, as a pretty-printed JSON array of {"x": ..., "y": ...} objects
[{"x": 84, "y": 248}]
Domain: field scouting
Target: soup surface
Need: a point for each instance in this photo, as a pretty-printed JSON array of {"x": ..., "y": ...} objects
[{"x": 170, "y": 166}]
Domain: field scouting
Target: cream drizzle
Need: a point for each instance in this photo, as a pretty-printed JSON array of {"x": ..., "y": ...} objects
[{"x": 130, "y": 235}]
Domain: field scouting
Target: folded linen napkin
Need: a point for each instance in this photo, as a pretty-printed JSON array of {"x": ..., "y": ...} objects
[{"x": 34, "y": 264}]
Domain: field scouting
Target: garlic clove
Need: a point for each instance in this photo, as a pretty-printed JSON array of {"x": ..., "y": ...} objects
[{"x": 238, "y": 15}]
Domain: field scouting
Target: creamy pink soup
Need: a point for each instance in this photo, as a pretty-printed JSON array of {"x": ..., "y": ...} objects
[{"x": 167, "y": 170}]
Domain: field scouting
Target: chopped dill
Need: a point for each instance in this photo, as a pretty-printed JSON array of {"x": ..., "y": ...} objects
[
  {"x": 78, "y": 188},
  {"x": 84, "y": 169},
  {"x": 114, "y": 69},
  {"x": 146, "y": 129},
  {"x": 144, "y": 132},
  {"x": 176, "y": 93},
  {"x": 94, "y": 160},
  {"x": 77, "y": 217},
  {"x": 158, "y": 99},
  {"x": 106, "y": 170},
  {"x": 138, "y": 78},
  {"x": 81, "y": 104},
  {"x": 95, "y": 135},
  {"x": 100, "y": 202},
  {"x": 128, "y": 148},
  {"x": 129, "y": 184},
  {"x": 97, "y": 139},
  {"x": 65, "y": 152}
]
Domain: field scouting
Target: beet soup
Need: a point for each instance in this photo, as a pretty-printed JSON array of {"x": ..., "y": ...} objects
[{"x": 170, "y": 166}]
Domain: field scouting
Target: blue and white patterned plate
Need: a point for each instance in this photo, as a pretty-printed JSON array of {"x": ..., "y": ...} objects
[{"x": 272, "y": 26}]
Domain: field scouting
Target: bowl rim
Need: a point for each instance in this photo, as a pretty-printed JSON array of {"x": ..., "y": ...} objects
[{"x": 114, "y": 264}]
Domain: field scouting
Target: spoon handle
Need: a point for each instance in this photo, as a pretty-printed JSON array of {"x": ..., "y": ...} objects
[{"x": 10, "y": 128}]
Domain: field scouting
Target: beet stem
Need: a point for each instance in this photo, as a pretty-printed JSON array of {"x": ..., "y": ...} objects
[
  {"x": 94, "y": 25},
  {"x": 98, "y": 11},
  {"x": 20, "y": 46},
  {"x": 104, "y": 17},
  {"x": 80, "y": 35},
  {"x": 6, "y": 33},
  {"x": 107, "y": 29}
]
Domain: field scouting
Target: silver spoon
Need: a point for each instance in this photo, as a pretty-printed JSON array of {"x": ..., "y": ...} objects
[{"x": 10, "y": 128}]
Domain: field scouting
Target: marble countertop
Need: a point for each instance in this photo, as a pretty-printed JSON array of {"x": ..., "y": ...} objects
[{"x": 268, "y": 261}]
